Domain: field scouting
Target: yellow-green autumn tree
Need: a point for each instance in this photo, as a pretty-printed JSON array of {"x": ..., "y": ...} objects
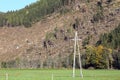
[{"x": 98, "y": 57}]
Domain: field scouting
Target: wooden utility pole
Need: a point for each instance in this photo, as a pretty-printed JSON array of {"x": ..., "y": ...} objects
[{"x": 76, "y": 50}]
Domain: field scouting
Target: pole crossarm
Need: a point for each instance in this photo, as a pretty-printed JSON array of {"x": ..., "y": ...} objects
[{"x": 77, "y": 39}]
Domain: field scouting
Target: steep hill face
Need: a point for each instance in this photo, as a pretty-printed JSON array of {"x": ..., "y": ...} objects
[{"x": 48, "y": 42}]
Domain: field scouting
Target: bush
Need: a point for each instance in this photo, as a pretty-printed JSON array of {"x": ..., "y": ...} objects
[
  {"x": 116, "y": 57},
  {"x": 3, "y": 65},
  {"x": 97, "y": 17}
]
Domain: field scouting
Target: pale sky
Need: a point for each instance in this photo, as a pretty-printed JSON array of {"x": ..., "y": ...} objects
[{"x": 8, "y": 5}]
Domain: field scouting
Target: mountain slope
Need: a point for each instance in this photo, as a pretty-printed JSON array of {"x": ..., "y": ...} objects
[
  {"x": 47, "y": 43},
  {"x": 33, "y": 12}
]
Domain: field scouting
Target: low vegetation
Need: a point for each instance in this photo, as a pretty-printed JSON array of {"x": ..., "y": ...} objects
[{"x": 59, "y": 74}]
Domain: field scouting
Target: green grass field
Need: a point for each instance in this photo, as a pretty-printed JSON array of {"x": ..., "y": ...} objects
[{"x": 64, "y": 74}]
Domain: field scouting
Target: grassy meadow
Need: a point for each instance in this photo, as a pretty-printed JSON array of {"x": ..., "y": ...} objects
[{"x": 64, "y": 74}]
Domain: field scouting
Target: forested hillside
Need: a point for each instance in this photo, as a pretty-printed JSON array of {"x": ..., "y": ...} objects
[
  {"x": 112, "y": 40},
  {"x": 33, "y": 13},
  {"x": 106, "y": 52},
  {"x": 51, "y": 24}
]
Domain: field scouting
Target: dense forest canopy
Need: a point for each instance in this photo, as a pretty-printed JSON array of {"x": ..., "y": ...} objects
[
  {"x": 106, "y": 53},
  {"x": 112, "y": 39},
  {"x": 32, "y": 13}
]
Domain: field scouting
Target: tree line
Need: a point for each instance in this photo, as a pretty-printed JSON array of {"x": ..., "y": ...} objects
[
  {"x": 112, "y": 41},
  {"x": 32, "y": 13}
]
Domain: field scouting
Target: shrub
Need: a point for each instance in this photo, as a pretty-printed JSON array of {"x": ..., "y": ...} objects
[{"x": 3, "y": 65}]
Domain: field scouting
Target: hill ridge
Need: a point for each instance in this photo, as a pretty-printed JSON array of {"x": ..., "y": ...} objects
[{"x": 47, "y": 43}]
